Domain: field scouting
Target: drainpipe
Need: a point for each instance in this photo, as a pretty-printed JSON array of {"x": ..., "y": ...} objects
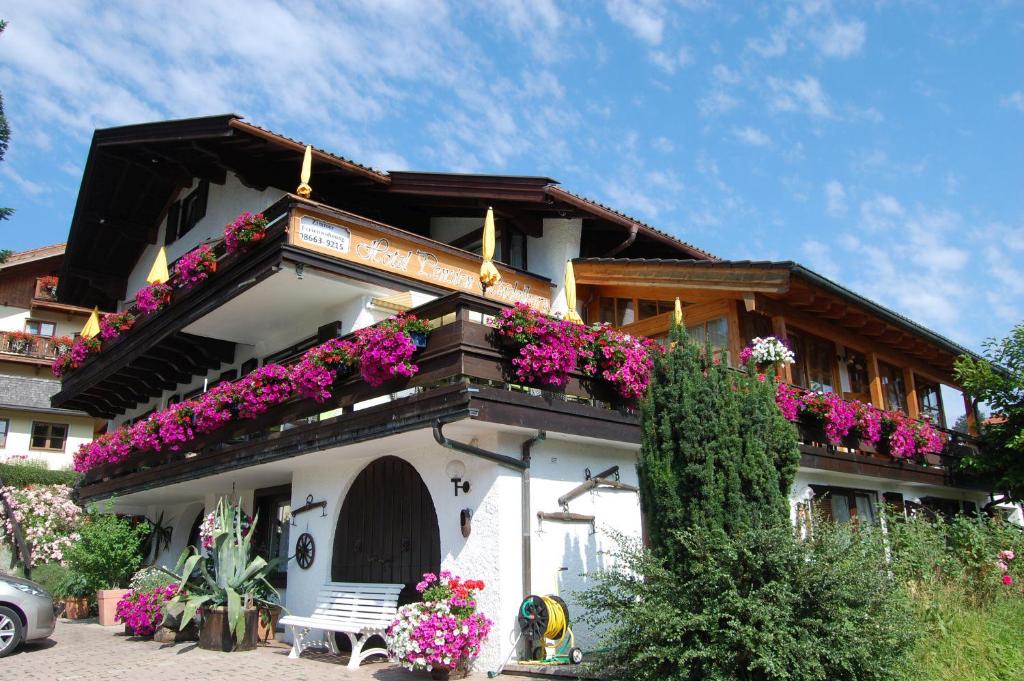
[
  {"x": 465, "y": 448},
  {"x": 525, "y": 505},
  {"x": 625, "y": 244}
]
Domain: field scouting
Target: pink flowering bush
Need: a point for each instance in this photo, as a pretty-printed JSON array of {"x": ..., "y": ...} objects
[
  {"x": 142, "y": 611},
  {"x": 623, "y": 360},
  {"x": 152, "y": 298},
  {"x": 244, "y": 231},
  {"x": 445, "y": 631},
  {"x": 194, "y": 267},
  {"x": 319, "y": 368},
  {"x": 75, "y": 356},
  {"x": 384, "y": 353},
  {"x": 48, "y": 518},
  {"x": 114, "y": 324},
  {"x": 262, "y": 389}
]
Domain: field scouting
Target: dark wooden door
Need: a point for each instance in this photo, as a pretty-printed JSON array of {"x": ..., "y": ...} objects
[{"x": 387, "y": 531}]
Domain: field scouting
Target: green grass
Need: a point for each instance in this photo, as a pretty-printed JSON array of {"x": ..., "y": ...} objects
[{"x": 975, "y": 642}]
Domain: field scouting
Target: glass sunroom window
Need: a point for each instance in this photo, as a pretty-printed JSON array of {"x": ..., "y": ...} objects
[
  {"x": 929, "y": 399},
  {"x": 893, "y": 387}
]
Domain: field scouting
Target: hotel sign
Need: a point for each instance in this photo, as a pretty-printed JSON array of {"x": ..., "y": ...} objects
[{"x": 407, "y": 254}]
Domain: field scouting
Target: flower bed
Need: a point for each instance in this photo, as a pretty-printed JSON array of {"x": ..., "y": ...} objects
[
  {"x": 381, "y": 352},
  {"x": 191, "y": 269},
  {"x": 550, "y": 348},
  {"x": 48, "y": 519},
  {"x": 445, "y": 631}
]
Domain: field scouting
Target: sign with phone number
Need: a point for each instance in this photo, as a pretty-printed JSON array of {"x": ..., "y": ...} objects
[{"x": 324, "y": 234}]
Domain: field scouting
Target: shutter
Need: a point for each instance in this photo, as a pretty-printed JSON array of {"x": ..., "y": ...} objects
[
  {"x": 202, "y": 194},
  {"x": 173, "y": 214}
]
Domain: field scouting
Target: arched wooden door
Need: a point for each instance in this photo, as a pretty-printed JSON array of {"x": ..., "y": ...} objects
[{"x": 387, "y": 530}]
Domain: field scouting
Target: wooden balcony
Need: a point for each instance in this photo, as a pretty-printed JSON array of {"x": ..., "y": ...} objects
[
  {"x": 464, "y": 372},
  {"x": 39, "y": 350}
]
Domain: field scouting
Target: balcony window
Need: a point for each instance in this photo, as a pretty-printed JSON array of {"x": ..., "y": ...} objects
[
  {"x": 893, "y": 388},
  {"x": 185, "y": 214},
  {"x": 49, "y": 436},
  {"x": 929, "y": 400},
  {"x": 616, "y": 311},
  {"x": 815, "y": 365},
  {"x": 716, "y": 332},
  {"x": 37, "y": 327},
  {"x": 5, "y": 425},
  {"x": 652, "y": 308},
  {"x": 857, "y": 370},
  {"x": 845, "y": 505}
]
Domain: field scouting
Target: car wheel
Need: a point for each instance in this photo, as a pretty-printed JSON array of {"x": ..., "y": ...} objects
[{"x": 10, "y": 630}]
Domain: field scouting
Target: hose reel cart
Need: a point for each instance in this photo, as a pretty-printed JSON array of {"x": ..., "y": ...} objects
[{"x": 545, "y": 624}]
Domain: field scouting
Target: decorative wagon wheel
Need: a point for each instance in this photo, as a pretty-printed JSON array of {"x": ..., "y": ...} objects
[{"x": 305, "y": 550}]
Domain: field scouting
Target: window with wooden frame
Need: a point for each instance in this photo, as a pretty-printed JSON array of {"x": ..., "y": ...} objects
[
  {"x": 273, "y": 506},
  {"x": 893, "y": 388},
  {"x": 929, "y": 402},
  {"x": 815, "y": 364},
  {"x": 714, "y": 331},
  {"x": 5, "y": 425},
  {"x": 616, "y": 311},
  {"x": 39, "y": 327},
  {"x": 183, "y": 215},
  {"x": 857, "y": 372},
  {"x": 754, "y": 325},
  {"x": 844, "y": 505},
  {"x": 50, "y": 437},
  {"x": 645, "y": 309}
]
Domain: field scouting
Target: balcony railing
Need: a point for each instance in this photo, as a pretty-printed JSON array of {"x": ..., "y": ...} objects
[{"x": 26, "y": 345}]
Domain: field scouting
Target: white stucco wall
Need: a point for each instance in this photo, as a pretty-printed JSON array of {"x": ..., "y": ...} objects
[
  {"x": 547, "y": 255},
  {"x": 224, "y": 204},
  {"x": 80, "y": 430},
  {"x": 13, "y": 319}
]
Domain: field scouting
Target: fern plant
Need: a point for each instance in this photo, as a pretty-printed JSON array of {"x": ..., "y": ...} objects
[{"x": 235, "y": 580}]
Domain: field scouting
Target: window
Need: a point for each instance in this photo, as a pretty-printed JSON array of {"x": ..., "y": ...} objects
[
  {"x": 845, "y": 505},
  {"x": 509, "y": 244},
  {"x": 929, "y": 400},
  {"x": 49, "y": 436},
  {"x": 38, "y": 327},
  {"x": 716, "y": 332},
  {"x": 893, "y": 388},
  {"x": 652, "y": 308},
  {"x": 857, "y": 370},
  {"x": 616, "y": 311},
  {"x": 815, "y": 363},
  {"x": 5, "y": 425},
  {"x": 184, "y": 214},
  {"x": 271, "y": 541},
  {"x": 754, "y": 325}
]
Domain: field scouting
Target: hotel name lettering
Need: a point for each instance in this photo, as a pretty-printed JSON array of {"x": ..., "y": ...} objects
[{"x": 414, "y": 260}]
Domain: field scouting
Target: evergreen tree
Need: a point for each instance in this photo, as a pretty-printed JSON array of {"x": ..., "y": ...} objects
[
  {"x": 716, "y": 452},
  {"x": 5, "y": 138}
]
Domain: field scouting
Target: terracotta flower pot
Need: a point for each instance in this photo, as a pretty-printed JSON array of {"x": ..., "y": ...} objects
[
  {"x": 107, "y": 600},
  {"x": 215, "y": 632},
  {"x": 460, "y": 672},
  {"x": 76, "y": 608},
  {"x": 268, "y": 623}
]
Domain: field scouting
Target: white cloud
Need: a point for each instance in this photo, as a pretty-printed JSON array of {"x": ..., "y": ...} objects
[
  {"x": 644, "y": 18},
  {"x": 1014, "y": 100},
  {"x": 835, "y": 198},
  {"x": 723, "y": 74},
  {"x": 820, "y": 257},
  {"x": 716, "y": 102},
  {"x": 663, "y": 144},
  {"x": 774, "y": 45},
  {"x": 28, "y": 186},
  {"x": 670, "y": 62},
  {"x": 804, "y": 95},
  {"x": 880, "y": 212},
  {"x": 752, "y": 136},
  {"x": 841, "y": 39}
]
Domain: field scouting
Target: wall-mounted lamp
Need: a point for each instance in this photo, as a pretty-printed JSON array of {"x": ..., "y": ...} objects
[{"x": 456, "y": 471}]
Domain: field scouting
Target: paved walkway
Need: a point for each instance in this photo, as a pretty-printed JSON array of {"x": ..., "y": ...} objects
[{"x": 85, "y": 650}]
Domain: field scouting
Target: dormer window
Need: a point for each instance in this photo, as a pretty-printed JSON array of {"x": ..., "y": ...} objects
[{"x": 184, "y": 214}]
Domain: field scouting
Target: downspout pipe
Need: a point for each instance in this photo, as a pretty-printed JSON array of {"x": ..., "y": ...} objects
[
  {"x": 448, "y": 443},
  {"x": 524, "y": 503},
  {"x": 625, "y": 244}
]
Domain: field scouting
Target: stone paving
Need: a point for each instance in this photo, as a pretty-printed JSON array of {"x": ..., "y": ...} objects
[{"x": 85, "y": 650}]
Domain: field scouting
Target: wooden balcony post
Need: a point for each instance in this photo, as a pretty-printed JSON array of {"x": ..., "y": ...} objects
[
  {"x": 779, "y": 329},
  {"x": 913, "y": 409},
  {"x": 972, "y": 415},
  {"x": 875, "y": 381},
  {"x": 735, "y": 339}
]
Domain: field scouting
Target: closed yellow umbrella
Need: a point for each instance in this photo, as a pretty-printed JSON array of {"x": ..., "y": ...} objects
[
  {"x": 489, "y": 274},
  {"x": 304, "y": 190},
  {"x": 158, "y": 273},
  {"x": 679, "y": 312},
  {"x": 570, "y": 294},
  {"x": 92, "y": 324}
]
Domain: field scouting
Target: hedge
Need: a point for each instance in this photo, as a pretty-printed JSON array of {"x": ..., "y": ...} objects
[{"x": 23, "y": 475}]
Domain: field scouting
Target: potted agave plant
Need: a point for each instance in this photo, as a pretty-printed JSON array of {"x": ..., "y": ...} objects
[{"x": 229, "y": 592}]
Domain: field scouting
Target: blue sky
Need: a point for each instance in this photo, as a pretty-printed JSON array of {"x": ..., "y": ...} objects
[{"x": 878, "y": 143}]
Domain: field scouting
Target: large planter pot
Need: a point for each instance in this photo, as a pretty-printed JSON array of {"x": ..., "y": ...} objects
[
  {"x": 76, "y": 608},
  {"x": 107, "y": 600},
  {"x": 268, "y": 623},
  {"x": 460, "y": 672},
  {"x": 215, "y": 634}
]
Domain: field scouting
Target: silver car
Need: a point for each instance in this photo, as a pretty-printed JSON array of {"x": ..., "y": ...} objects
[{"x": 26, "y": 613}]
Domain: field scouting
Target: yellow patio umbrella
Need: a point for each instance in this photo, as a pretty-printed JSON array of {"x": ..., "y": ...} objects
[
  {"x": 158, "y": 273},
  {"x": 489, "y": 274},
  {"x": 304, "y": 189},
  {"x": 92, "y": 324},
  {"x": 570, "y": 294},
  {"x": 679, "y": 312}
]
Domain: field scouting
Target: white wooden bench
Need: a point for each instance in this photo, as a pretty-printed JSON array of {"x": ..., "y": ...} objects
[{"x": 357, "y": 610}]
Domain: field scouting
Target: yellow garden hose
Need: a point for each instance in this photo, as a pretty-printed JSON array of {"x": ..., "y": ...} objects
[{"x": 556, "y": 619}]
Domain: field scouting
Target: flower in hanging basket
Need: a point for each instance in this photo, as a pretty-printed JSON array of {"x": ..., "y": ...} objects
[
  {"x": 263, "y": 388},
  {"x": 48, "y": 286},
  {"x": 767, "y": 351},
  {"x": 216, "y": 407},
  {"x": 151, "y": 298},
  {"x": 81, "y": 349},
  {"x": 194, "y": 267},
  {"x": 62, "y": 343},
  {"x": 114, "y": 324},
  {"x": 19, "y": 341},
  {"x": 623, "y": 360},
  {"x": 385, "y": 352},
  {"x": 247, "y": 229},
  {"x": 320, "y": 367}
]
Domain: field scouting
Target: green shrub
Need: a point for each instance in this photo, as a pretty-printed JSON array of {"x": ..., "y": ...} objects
[
  {"x": 49, "y": 576},
  {"x": 107, "y": 552},
  {"x": 32, "y": 473}
]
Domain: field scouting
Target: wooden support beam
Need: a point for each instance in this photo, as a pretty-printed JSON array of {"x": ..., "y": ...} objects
[
  {"x": 732, "y": 318},
  {"x": 779, "y": 329},
  {"x": 750, "y": 301},
  {"x": 875, "y": 381},
  {"x": 972, "y": 416},
  {"x": 913, "y": 408}
]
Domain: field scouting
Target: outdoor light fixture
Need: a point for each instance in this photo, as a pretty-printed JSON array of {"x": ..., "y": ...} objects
[{"x": 456, "y": 471}]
